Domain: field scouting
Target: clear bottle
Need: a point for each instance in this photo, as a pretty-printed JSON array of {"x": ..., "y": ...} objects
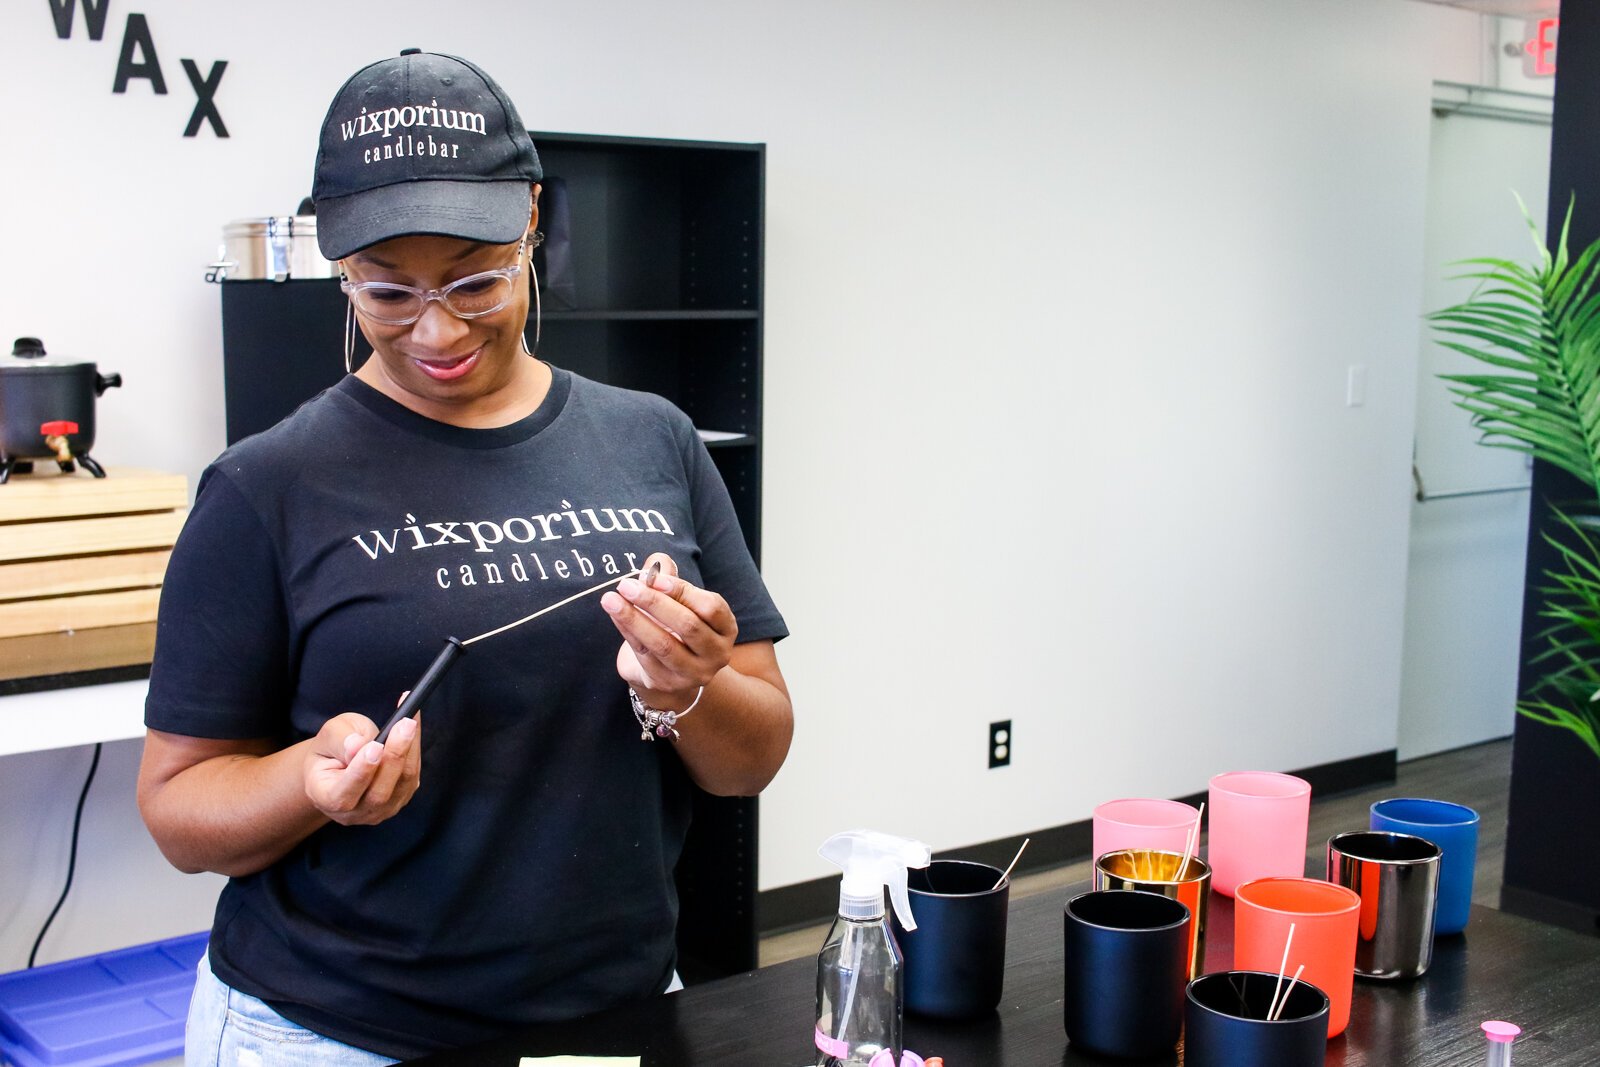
[
  {"x": 860, "y": 1005},
  {"x": 860, "y": 1001}
]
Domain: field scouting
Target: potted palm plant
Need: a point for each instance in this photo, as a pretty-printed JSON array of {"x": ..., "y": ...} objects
[{"x": 1536, "y": 328}]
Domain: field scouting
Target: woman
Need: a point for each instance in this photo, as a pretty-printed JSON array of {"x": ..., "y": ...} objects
[{"x": 450, "y": 485}]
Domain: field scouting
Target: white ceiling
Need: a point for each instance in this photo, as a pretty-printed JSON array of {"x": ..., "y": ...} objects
[{"x": 1526, "y": 9}]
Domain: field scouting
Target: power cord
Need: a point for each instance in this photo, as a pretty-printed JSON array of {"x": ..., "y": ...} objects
[{"x": 72, "y": 859}]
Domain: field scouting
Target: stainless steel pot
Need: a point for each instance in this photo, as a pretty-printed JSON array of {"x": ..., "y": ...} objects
[
  {"x": 276, "y": 248},
  {"x": 47, "y": 408}
]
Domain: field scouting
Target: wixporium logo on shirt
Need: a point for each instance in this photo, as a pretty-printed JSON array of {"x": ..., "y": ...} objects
[
  {"x": 488, "y": 536},
  {"x": 384, "y": 122}
]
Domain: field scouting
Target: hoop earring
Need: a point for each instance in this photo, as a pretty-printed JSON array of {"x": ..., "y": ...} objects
[
  {"x": 349, "y": 337},
  {"x": 538, "y": 324}
]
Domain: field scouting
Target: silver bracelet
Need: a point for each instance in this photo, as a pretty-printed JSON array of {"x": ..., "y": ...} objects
[{"x": 659, "y": 722}]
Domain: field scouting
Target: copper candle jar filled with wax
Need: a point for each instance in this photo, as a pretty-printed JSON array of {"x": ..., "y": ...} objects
[{"x": 1184, "y": 879}]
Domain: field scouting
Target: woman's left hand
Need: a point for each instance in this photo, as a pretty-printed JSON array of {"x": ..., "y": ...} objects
[{"x": 676, "y": 636}]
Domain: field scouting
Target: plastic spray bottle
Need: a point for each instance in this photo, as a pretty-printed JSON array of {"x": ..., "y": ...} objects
[
  {"x": 860, "y": 1001},
  {"x": 1500, "y": 1035}
]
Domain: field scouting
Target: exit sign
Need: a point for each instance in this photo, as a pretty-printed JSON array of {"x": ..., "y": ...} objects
[{"x": 1539, "y": 50}]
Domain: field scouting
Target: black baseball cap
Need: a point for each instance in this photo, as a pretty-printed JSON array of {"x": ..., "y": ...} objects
[{"x": 421, "y": 144}]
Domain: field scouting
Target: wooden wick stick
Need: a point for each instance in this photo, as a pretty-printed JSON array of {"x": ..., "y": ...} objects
[
  {"x": 552, "y": 607},
  {"x": 1297, "y": 972},
  {"x": 1014, "y": 860},
  {"x": 1284, "y": 966},
  {"x": 1191, "y": 843}
]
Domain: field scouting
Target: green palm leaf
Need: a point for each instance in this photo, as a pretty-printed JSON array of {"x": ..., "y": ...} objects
[
  {"x": 1539, "y": 328},
  {"x": 1566, "y": 693},
  {"x": 1536, "y": 329}
]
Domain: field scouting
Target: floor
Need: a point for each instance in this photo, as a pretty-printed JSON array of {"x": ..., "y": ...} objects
[{"x": 1479, "y": 777}]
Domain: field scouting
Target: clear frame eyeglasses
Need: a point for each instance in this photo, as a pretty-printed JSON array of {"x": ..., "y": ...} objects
[{"x": 471, "y": 297}]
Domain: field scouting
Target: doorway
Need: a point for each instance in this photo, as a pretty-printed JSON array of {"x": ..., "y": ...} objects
[{"x": 1469, "y": 520}]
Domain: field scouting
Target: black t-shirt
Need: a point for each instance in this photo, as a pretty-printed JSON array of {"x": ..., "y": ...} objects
[{"x": 323, "y": 565}]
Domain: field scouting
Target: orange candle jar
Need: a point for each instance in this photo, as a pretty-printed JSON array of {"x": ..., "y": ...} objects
[{"x": 1325, "y": 920}]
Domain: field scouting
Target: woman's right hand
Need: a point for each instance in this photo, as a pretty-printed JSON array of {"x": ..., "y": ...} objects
[
  {"x": 238, "y": 806},
  {"x": 355, "y": 781}
]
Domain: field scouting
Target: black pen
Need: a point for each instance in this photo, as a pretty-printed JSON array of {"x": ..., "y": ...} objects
[{"x": 455, "y": 647}]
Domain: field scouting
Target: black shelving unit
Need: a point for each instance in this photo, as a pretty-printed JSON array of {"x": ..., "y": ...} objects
[
  {"x": 664, "y": 288},
  {"x": 664, "y": 294}
]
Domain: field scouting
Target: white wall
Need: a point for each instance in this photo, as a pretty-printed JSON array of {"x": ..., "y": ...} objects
[
  {"x": 1101, "y": 478},
  {"x": 1061, "y": 299},
  {"x": 123, "y": 891}
]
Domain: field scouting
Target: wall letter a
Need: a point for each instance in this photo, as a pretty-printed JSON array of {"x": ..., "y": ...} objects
[
  {"x": 137, "y": 35},
  {"x": 94, "y": 16}
]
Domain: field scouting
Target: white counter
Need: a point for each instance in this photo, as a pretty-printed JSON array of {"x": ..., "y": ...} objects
[{"x": 63, "y": 718}]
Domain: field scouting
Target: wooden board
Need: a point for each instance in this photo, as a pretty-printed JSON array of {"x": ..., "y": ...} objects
[
  {"x": 50, "y": 494},
  {"x": 83, "y": 536},
  {"x": 43, "y": 655},
  {"x": 82, "y": 574},
  {"x": 85, "y": 612},
  {"x": 83, "y": 555}
]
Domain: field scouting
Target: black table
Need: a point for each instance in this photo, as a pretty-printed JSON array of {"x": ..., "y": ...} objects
[{"x": 1544, "y": 979}]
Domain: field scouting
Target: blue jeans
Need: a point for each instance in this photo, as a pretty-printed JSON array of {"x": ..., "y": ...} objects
[{"x": 228, "y": 1028}]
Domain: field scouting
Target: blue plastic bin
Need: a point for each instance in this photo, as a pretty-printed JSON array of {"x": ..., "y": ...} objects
[{"x": 120, "y": 1007}]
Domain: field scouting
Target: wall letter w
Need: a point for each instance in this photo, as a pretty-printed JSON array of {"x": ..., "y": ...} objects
[{"x": 94, "y": 16}]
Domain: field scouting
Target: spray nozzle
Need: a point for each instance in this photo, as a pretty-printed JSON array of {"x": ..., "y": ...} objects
[{"x": 872, "y": 860}]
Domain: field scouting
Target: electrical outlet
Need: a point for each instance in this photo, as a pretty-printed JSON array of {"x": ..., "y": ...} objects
[{"x": 1000, "y": 744}]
